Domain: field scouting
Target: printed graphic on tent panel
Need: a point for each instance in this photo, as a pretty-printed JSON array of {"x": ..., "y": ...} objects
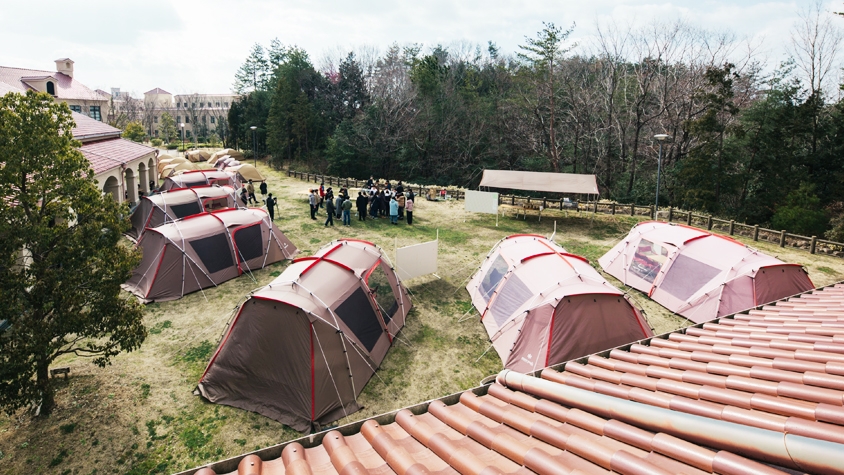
[
  {"x": 547, "y": 306},
  {"x": 707, "y": 275}
]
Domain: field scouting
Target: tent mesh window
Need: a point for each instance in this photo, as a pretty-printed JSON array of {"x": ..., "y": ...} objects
[
  {"x": 493, "y": 277},
  {"x": 215, "y": 204},
  {"x": 648, "y": 259},
  {"x": 187, "y": 209},
  {"x": 381, "y": 289},
  {"x": 513, "y": 295},
  {"x": 214, "y": 252},
  {"x": 248, "y": 242},
  {"x": 686, "y": 276},
  {"x": 357, "y": 313}
]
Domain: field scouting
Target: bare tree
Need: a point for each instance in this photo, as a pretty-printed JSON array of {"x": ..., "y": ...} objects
[{"x": 815, "y": 43}]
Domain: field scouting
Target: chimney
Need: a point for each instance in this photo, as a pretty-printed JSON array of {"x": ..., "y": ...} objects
[{"x": 65, "y": 66}]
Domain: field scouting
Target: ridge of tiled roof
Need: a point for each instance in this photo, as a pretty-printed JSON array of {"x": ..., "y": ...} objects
[
  {"x": 66, "y": 86},
  {"x": 761, "y": 392},
  {"x": 157, "y": 90}
]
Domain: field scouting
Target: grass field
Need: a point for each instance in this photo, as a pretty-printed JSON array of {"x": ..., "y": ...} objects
[{"x": 139, "y": 416}]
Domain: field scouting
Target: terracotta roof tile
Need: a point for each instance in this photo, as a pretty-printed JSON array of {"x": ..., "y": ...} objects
[
  {"x": 107, "y": 154},
  {"x": 88, "y": 128},
  {"x": 157, "y": 90},
  {"x": 66, "y": 86}
]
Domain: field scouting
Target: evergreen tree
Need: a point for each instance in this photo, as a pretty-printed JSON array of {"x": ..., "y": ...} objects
[{"x": 254, "y": 73}]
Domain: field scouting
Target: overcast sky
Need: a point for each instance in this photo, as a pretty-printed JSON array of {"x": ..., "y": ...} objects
[{"x": 191, "y": 46}]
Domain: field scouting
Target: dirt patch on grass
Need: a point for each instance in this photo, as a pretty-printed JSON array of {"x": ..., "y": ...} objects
[{"x": 139, "y": 416}]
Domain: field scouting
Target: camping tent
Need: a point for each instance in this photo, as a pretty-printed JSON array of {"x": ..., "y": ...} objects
[
  {"x": 542, "y": 306},
  {"x": 178, "y": 168},
  {"x": 198, "y": 155},
  {"x": 204, "y": 250},
  {"x": 221, "y": 153},
  {"x": 698, "y": 274},
  {"x": 194, "y": 178},
  {"x": 246, "y": 172},
  {"x": 301, "y": 349},
  {"x": 155, "y": 210},
  {"x": 164, "y": 162}
]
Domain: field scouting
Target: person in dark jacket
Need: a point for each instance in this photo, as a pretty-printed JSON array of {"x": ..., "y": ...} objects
[
  {"x": 271, "y": 206},
  {"x": 361, "y": 205},
  {"x": 263, "y": 189},
  {"x": 329, "y": 210},
  {"x": 375, "y": 206}
]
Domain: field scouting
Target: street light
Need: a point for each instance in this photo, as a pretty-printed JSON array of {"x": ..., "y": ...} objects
[
  {"x": 182, "y": 125},
  {"x": 660, "y": 138},
  {"x": 254, "y": 146}
]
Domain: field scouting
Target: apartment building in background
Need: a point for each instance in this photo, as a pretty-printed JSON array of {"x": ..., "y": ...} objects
[
  {"x": 60, "y": 84},
  {"x": 196, "y": 115}
]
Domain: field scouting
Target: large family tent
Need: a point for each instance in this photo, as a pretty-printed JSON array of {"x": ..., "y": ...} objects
[
  {"x": 198, "y": 155},
  {"x": 230, "y": 152},
  {"x": 700, "y": 275},
  {"x": 191, "y": 179},
  {"x": 541, "y": 305},
  {"x": 204, "y": 250},
  {"x": 177, "y": 168},
  {"x": 301, "y": 349},
  {"x": 246, "y": 172},
  {"x": 155, "y": 210}
]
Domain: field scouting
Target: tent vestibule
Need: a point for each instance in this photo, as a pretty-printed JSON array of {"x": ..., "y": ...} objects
[
  {"x": 301, "y": 349},
  {"x": 700, "y": 275},
  {"x": 541, "y": 305}
]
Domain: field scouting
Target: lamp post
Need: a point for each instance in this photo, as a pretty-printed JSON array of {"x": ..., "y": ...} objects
[
  {"x": 182, "y": 125},
  {"x": 660, "y": 138},
  {"x": 254, "y": 145}
]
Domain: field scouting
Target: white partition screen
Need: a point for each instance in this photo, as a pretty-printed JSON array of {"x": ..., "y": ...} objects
[
  {"x": 481, "y": 202},
  {"x": 418, "y": 259}
]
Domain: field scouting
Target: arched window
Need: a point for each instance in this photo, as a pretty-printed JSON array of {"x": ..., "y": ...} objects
[{"x": 51, "y": 88}]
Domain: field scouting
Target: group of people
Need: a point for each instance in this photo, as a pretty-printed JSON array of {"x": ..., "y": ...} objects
[
  {"x": 247, "y": 196},
  {"x": 382, "y": 203}
]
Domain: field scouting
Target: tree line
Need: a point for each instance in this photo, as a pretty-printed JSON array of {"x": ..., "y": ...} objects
[{"x": 747, "y": 140}]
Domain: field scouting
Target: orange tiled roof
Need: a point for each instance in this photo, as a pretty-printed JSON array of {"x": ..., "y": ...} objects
[
  {"x": 91, "y": 129},
  {"x": 753, "y": 393},
  {"x": 111, "y": 153},
  {"x": 66, "y": 86}
]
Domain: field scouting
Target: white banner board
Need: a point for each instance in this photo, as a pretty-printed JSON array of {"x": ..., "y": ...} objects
[
  {"x": 418, "y": 259},
  {"x": 481, "y": 202}
]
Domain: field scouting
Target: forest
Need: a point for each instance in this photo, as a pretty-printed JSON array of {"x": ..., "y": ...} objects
[{"x": 748, "y": 140}]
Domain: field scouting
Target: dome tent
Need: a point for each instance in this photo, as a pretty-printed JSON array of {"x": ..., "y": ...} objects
[
  {"x": 205, "y": 250},
  {"x": 194, "y": 178},
  {"x": 301, "y": 349},
  {"x": 700, "y": 275},
  {"x": 541, "y": 305},
  {"x": 160, "y": 208}
]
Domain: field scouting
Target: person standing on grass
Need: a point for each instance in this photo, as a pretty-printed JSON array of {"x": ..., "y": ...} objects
[
  {"x": 244, "y": 196},
  {"x": 361, "y": 204},
  {"x": 263, "y": 189},
  {"x": 408, "y": 208},
  {"x": 251, "y": 189},
  {"x": 394, "y": 211},
  {"x": 322, "y": 193},
  {"x": 347, "y": 212},
  {"x": 338, "y": 205},
  {"x": 402, "y": 200},
  {"x": 271, "y": 206},
  {"x": 312, "y": 199},
  {"x": 374, "y": 205},
  {"x": 329, "y": 210}
]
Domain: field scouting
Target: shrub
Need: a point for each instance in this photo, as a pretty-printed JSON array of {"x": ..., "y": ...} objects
[
  {"x": 172, "y": 146},
  {"x": 156, "y": 142},
  {"x": 801, "y": 213}
]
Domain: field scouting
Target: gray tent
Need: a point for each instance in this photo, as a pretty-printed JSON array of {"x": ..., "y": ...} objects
[
  {"x": 160, "y": 208},
  {"x": 205, "y": 250},
  {"x": 301, "y": 349}
]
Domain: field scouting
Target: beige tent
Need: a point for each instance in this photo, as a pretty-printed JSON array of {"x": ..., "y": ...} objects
[
  {"x": 540, "y": 181},
  {"x": 301, "y": 349},
  {"x": 205, "y": 250},
  {"x": 246, "y": 172},
  {"x": 198, "y": 155},
  {"x": 542, "y": 306},
  {"x": 221, "y": 153},
  {"x": 170, "y": 161},
  {"x": 164, "y": 156},
  {"x": 700, "y": 275},
  {"x": 160, "y": 208},
  {"x": 194, "y": 178}
]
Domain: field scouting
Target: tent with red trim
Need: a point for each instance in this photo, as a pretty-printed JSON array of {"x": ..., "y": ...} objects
[
  {"x": 195, "y": 178},
  {"x": 541, "y": 305},
  {"x": 698, "y": 274},
  {"x": 160, "y": 208},
  {"x": 301, "y": 349},
  {"x": 205, "y": 250}
]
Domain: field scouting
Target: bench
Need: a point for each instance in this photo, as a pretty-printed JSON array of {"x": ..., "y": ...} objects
[{"x": 57, "y": 371}]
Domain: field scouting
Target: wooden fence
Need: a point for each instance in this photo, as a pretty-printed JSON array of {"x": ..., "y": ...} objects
[{"x": 809, "y": 243}]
